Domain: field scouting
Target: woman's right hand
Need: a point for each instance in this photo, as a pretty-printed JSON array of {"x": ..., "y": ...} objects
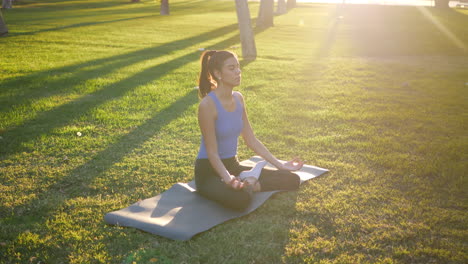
[{"x": 234, "y": 182}]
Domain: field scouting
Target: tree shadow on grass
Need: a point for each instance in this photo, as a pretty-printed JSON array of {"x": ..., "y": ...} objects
[
  {"x": 61, "y": 12},
  {"x": 46, "y": 121},
  {"x": 39, "y": 82},
  {"x": 84, "y": 24},
  {"x": 90, "y": 10},
  {"x": 77, "y": 5},
  {"x": 47, "y": 15},
  {"x": 61, "y": 4},
  {"x": 76, "y": 183},
  {"x": 66, "y": 113}
]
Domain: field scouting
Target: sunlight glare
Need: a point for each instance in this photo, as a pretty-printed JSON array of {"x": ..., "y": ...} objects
[{"x": 443, "y": 28}]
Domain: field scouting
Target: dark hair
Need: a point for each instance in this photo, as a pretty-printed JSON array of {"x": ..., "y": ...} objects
[{"x": 211, "y": 60}]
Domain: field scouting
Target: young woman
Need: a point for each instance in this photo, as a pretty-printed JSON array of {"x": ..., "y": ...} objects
[{"x": 222, "y": 118}]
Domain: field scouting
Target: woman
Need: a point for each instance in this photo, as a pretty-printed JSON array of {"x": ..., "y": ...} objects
[{"x": 222, "y": 118}]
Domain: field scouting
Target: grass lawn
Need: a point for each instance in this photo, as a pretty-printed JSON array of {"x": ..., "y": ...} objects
[{"x": 376, "y": 94}]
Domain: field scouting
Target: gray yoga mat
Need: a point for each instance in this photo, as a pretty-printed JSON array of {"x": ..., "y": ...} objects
[{"x": 180, "y": 213}]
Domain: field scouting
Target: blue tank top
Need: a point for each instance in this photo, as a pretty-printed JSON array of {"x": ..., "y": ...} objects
[{"x": 228, "y": 127}]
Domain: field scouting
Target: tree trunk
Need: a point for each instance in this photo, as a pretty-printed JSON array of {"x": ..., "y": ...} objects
[
  {"x": 442, "y": 3},
  {"x": 7, "y": 4},
  {"x": 291, "y": 4},
  {"x": 3, "y": 27},
  {"x": 265, "y": 14},
  {"x": 249, "y": 51},
  {"x": 164, "y": 7},
  {"x": 281, "y": 8}
]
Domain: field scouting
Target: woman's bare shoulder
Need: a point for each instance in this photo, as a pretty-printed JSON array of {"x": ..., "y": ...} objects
[
  {"x": 206, "y": 101},
  {"x": 239, "y": 96},
  {"x": 207, "y": 106}
]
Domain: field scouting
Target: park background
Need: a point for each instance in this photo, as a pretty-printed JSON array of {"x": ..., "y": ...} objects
[{"x": 98, "y": 110}]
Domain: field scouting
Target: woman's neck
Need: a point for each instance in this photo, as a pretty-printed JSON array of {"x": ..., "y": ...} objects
[{"x": 224, "y": 92}]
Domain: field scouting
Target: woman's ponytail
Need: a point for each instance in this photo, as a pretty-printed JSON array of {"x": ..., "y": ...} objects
[{"x": 205, "y": 84}]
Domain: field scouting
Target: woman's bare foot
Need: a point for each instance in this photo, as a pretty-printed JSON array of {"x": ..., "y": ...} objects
[{"x": 252, "y": 181}]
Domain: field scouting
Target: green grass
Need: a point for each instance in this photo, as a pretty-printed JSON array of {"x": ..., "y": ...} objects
[{"x": 376, "y": 94}]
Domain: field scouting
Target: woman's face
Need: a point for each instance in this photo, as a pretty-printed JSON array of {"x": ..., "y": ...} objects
[{"x": 231, "y": 72}]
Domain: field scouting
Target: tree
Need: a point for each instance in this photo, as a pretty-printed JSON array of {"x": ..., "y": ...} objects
[
  {"x": 265, "y": 14},
  {"x": 281, "y": 8},
  {"x": 7, "y": 4},
  {"x": 441, "y": 3},
  {"x": 291, "y": 4},
  {"x": 164, "y": 7},
  {"x": 3, "y": 27},
  {"x": 249, "y": 51}
]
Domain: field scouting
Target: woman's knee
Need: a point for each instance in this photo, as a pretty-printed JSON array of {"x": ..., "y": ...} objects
[
  {"x": 293, "y": 182},
  {"x": 279, "y": 180}
]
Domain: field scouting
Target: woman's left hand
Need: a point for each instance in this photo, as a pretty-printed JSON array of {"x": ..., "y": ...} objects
[{"x": 293, "y": 165}]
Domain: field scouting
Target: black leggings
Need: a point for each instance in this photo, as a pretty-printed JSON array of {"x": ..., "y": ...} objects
[{"x": 210, "y": 185}]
